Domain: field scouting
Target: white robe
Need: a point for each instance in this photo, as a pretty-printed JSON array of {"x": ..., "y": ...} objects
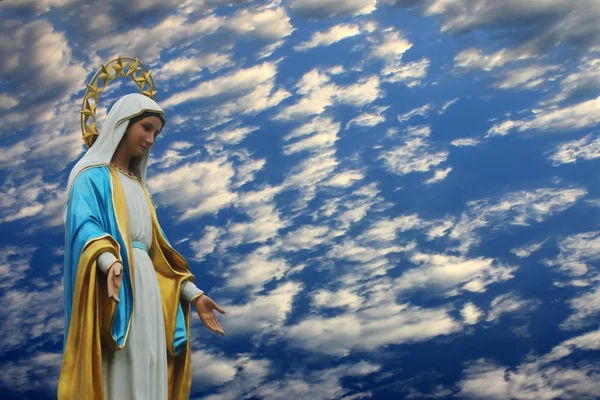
[{"x": 139, "y": 370}]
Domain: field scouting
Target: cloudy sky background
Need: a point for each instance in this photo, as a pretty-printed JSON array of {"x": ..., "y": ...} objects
[{"x": 392, "y": 198}]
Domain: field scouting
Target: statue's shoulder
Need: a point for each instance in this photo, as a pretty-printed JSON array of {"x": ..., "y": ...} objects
[{"x": 95, "y": 175}]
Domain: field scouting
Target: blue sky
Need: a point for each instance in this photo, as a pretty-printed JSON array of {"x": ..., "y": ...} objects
[{"x": 390, "y": 199}]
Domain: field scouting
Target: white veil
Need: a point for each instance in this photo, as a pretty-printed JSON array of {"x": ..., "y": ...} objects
[{"x": 110, "y": 135}]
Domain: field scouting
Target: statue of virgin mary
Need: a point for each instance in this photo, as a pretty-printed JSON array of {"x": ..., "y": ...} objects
[{"x": 127, "y": 291}]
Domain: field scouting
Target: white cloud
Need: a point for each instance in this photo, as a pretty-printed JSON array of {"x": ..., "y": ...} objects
[
  {"x": 14, "y": 263},
  {"x": 585, "y": 80},
  {"x": 464, "y": 142},
  {"x": 31, "y": 199},
  {"x": 577, "y": 253},
  {"x": 264, "y": 219},
  {"x": 261, "y": 314},
  {"x": 330, "y": 8},
  {"x": 421, "y": 111},
  {"x": 309, "y": 174},
  {"x": 257, "y": 269},
  {"x": 519, "y": 208},
  {"x": 247, "y": 169},
  {"x": 416, "y": 155},
  {"x": 210, "y": 369},
  {"x": 570, "y": 118},
  {"x": 207, "y": 244},
  {"x": 510, "y": 303},
  {"x": 32, "y": 316},
  {"x": 440, "y": 228},
  {"x": 526, "y": 251},
  {"x": 558, "y": 22},
  {"x": 13, "y": 156},
  {"x": 148, "y": 43},
  {"x": 305, "y": 237},
  {"x": 391, "y": 47},
  {"x": 38, "y": 372},
  {"x": 586, "y": 310},
  {"x": 36, "y": 58},
  {"x": 173, "y": 155},
  {"x": 546, "y": 377},
  {"x": 474, "y": 59},
  {"x": 448, "y": 275},
  {"x": 471, "y": 314},
  {"x": 319, "y": 93},
  {"x": 447, "y": 104},
  {"x": 580, "y": 149},
  {"x": 370, "y": 328},
  {"x": 237, "y": 377},
  {"x": 355, "y": 209},
  {"x": 333, "y": 35},
  {"x": 201, "y": 187},
  {"x": 385, "y": 230},
  {"x": 411, "y": 73},
  {"x": 342, "y": 298},
  {"x": 371, "y": 261},
  {"x": 38, "y": 6},
  {"x": 528, "y": 78},
  {"x": 577, "y": 258},
  {"x": 231, "y": 135},
  {"x": 367, "y": 119},
  {"x": 264, "y": 96},
  {"x": 267, "y": 23},
  {"x": 318, "y": 135},
  {"x": 193, "y": 65},
  {"x": 7, "y": 101},
  {"x": 344, "y": 179},
  {"x": 234, "y": 83},
  {"x": 438, "y": 176},
  {"x": 318, "y": 384}
]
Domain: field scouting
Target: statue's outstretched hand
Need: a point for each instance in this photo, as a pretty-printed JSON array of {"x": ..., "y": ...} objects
[
  {"x": 204, "y": 307},
  {"x": 113, "y": 281}
]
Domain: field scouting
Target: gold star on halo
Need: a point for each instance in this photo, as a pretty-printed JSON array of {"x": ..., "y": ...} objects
[
  {"x": 91, "y": 129},
  {"x": 122, "y": 66},
  {"x": 118, "y": 67},
  {"x": 105, "y": 73},
  {"x": 94, "y": 90},
  {"x": 149, "y": 93},
  {"x": 133, "y": 67},
  {"x": 141, "y": 79},
  {"x": 90, "y": 109}
]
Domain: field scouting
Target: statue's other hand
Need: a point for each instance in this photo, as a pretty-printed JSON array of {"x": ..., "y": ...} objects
[
  {"x": 204, "y": 307},
  {"x": 113, "y": 281}
]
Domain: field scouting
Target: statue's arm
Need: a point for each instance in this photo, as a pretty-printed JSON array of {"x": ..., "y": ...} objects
[
  {"x": 105, "y": 260},
  {"x": 189, "y": 291}
]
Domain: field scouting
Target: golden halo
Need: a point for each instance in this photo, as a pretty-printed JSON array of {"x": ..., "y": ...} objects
[{"x": 107, "y": 73}]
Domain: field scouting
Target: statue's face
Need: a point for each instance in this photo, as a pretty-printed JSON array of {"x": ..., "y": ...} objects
[{"x": 141, "y": 135}]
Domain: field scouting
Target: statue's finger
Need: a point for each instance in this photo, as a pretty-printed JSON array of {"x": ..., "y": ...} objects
[
  {"x": 210, "y": 324},
  {"x": 219, "y": 309},
  {"x": 218, "y": 326},
  {"x": 216, "y": 321},
  {"x": 114, "y": 298},
  {"x": 215, "y": 325},
  {"x": 203, "y": 319}
]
